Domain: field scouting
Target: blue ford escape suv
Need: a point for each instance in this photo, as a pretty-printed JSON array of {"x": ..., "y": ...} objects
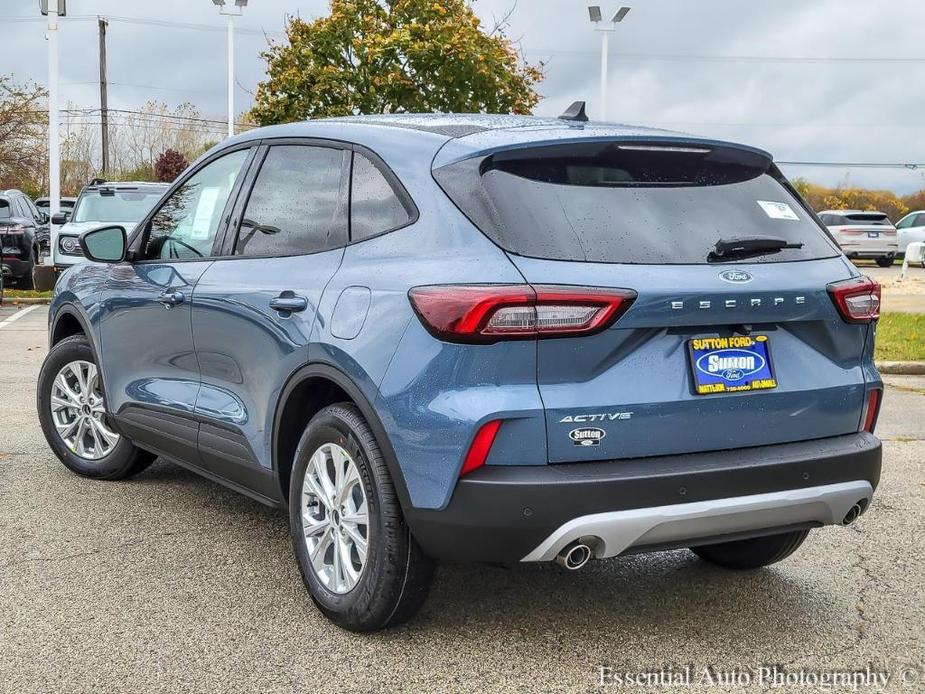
[{"x": 485, "y": 338}]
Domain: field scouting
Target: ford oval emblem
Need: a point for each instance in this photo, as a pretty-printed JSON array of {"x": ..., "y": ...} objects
[{"x": 735, "y": 276}]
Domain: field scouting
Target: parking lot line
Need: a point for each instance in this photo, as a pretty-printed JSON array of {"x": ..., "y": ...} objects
[{"x": 16, "y": 316}]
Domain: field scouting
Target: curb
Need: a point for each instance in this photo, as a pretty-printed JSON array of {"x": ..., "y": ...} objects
[
  {"x": 24, "y": 301},
  {"x": 902, "y": 368}
]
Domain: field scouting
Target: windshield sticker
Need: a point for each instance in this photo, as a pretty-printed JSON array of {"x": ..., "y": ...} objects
[{"x": 778, "y": 210}]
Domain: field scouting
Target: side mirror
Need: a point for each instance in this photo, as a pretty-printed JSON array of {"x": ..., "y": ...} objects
[
  {"x": 60, "y": 218},
  {"x": 104, "y": 245},
  {"x": 43, "y": 218}
]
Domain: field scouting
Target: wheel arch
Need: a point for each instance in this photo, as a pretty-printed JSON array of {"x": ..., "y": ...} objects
[
  {"x": 68, "y": 322},
  {"x": 307, "y": 391}
]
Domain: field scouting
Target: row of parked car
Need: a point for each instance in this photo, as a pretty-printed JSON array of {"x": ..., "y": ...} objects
[
  {"x": 24, "y": 223},
  {"x": 871, "y": 235}
]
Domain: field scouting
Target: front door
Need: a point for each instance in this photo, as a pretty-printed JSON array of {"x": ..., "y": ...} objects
[{"x": 150, "y": 367}]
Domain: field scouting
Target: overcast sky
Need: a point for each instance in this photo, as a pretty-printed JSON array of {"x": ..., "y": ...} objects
[{"x": 848, "y": 89}]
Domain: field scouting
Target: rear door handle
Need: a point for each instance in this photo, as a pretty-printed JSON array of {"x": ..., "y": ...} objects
[
  {"x": 170, "y": 299},
  {"x": 289, "y": 302}
]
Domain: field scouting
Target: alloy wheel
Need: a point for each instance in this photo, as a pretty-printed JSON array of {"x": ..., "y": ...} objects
[
  {"x": 78, "y": 411},
  {"x": 335, "y": 518}
]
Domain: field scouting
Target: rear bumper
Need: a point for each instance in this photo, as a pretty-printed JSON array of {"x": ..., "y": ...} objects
[
  {"x": 527, "y": 513},
  {"x": 15, "y": 267},
  {"x": 869, "y": 252}
]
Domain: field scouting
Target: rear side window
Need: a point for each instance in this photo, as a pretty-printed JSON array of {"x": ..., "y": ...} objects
[
  {"x": 609, "y": 202},
  {"x": 297, "y": 205},
  {"x": 5, "y": 212},
  {"x": 375, "y": 206}
]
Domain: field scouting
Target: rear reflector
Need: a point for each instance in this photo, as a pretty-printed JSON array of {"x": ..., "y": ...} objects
[
  {"x": 857, "y": 299},
  {"x": 481, "y": 445},
  {"x": 872, "y": 409},
  {"x": 487, "y": 313}
]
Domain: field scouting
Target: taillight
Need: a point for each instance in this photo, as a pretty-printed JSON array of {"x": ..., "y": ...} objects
[
  {"x": 484, "y": 313},
  {"x": 872, "y": 409},
  {"x": 481, "y": 445},
  {"x": 14, "y": 230},
  {"x": 857, "y": 299}
]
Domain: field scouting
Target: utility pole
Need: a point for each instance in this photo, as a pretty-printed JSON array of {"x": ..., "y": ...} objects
[{"x": 104, "y": 101}]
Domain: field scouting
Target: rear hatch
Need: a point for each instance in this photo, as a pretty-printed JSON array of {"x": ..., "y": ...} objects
[
  {"x": 857, "y": 230},
  {"x": 715, "y": 352}
]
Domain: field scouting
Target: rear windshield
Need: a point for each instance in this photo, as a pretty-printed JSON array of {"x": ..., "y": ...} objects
[
  {"x": 613, "y": 203},
  {"x": 115, "y": 206},
  {"x": 867, "y": 218}
]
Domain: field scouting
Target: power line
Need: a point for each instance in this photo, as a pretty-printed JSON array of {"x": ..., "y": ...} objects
[
  {"x": 853, "y": 165},
  {"x": 144, "y": 21},
  {"x": 679, "y": 57},
  {"x": 672, "y": 57}
]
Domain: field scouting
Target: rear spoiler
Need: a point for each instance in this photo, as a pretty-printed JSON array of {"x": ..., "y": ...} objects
[{"x": 519, "y": 139}]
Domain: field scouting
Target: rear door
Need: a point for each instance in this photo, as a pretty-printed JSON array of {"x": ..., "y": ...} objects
[
  {"x": 714, "y": 353},
  {"x": 253, "y": 309}
]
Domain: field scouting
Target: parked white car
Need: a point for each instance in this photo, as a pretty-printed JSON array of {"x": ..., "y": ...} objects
[
  {"x": 861, "y": 234},
  {"x": 908, "y": 229},
  {"x": 101, "y": 202}
]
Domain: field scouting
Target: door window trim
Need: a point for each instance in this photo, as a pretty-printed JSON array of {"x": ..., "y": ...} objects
[
  {"x": 397, "y": 188},
  {"x": 142, "y": 229},
  {"x": 234, "y": 227}
]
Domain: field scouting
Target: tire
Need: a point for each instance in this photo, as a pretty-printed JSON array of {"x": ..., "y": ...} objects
[
  {"x": 393, "y": 582},
  {"x": 753, "y": 553},
  {"x": 884, "y": 261},
  {"x": 26, "y": 282},
  {"x": 122, "y": 459}
]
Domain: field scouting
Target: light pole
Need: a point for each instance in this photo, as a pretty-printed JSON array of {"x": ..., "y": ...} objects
[
  {"x": 594, "y": 12},
  {"x": 53, "y": 9},
  {"x": 231, "y": 14}
]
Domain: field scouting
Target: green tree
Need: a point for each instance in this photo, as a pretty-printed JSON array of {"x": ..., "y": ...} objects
[
  {"x": 23, "y": 132},
  {"x": 391, "y": 56}
]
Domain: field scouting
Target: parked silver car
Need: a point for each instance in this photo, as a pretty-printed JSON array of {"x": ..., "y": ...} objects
[{"x": 863, "y": 234}]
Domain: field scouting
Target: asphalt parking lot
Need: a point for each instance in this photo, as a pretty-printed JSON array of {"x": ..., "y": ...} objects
[{"x": 168, "y": 582}]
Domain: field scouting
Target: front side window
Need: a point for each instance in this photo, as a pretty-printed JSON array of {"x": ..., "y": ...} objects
[
  {"x": 185, "y": 225},
  {"x": 297, "y": 205},
  {"x": 374, "y": 205}
]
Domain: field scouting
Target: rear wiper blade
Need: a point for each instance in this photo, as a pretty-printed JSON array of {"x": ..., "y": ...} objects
[{"x": 748, "y": 246}]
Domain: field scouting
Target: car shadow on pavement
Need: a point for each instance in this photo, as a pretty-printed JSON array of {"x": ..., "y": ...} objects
[
  {"x": 639, "y": 597},
  {"x": 640, "y": 594}
]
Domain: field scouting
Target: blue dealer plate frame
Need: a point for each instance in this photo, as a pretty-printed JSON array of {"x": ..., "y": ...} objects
[{"x": 733, "y": 364}]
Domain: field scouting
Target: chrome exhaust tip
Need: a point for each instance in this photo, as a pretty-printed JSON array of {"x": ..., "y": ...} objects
[
  {"x": 574, "y": 556},
  {"x": 853, "y": 513}
]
